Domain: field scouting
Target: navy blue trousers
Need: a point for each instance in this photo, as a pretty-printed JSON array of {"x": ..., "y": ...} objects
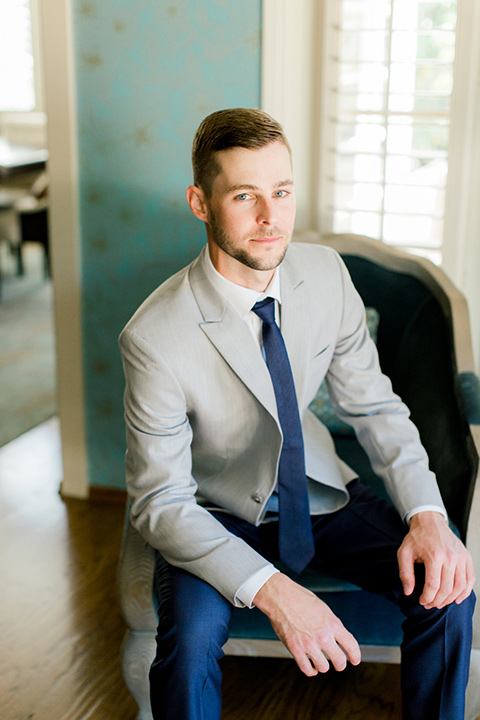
[{"x": 358, "y": 543}]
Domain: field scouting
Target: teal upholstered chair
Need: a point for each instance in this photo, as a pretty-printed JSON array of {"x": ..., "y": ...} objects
[{"x": 421, "y": 325}]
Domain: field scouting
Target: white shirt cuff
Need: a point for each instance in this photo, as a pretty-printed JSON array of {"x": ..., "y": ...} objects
[
  {"x": 247, "y": 591},
  {"x": 425, "y": 508}
]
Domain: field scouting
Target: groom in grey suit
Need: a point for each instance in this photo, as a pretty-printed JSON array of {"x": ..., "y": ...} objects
[{"x": 204, "y": 444}]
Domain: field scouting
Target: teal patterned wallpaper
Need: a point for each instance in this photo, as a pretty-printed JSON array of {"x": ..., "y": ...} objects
[{"x": 147, "y": 72}]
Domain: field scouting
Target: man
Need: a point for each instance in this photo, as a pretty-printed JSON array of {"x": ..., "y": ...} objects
[{"x": 227, "y": 470}]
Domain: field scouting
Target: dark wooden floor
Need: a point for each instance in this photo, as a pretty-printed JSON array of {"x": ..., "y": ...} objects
[{"x": 61, "y": 629}]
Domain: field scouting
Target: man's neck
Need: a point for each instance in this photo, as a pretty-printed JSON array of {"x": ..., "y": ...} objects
[{"x": 238, "y": 273}]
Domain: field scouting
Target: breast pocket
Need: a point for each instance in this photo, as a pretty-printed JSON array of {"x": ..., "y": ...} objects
[
  {"x": 317, "y": 369},
  {"x": 321, "y": 352}
]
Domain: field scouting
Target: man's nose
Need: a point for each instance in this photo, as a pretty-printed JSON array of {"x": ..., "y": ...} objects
[{"x": 266, "y": 212}]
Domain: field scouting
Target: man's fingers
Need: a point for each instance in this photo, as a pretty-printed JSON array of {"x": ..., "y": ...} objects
[
  {"x": 301, "y": 657},
  {"x": 462, "y": 586},
  {"x": 433, "y": 577},
  {"x": 442, "y": 597},
  {"x": 350, "y": 647},
  {"x": 322, "y": 660},
  {"x": 470, "y": 581},
  {"x": 327, "y": 649},
  {"x": 336, "y": 651},
  {"x": 407, "y": 573},
  {"x": 308, "y": 666},
  {"x": 342, "y": 648},
  {"x": 456, "y": 582}
]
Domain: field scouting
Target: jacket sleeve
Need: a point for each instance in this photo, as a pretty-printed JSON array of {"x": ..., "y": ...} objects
[
  {"x": 363, "y": 397},
  {"x": 159, "y": 476}
]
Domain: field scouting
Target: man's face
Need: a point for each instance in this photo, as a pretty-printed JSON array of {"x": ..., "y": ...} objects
[{"x": 251, "y": 212}]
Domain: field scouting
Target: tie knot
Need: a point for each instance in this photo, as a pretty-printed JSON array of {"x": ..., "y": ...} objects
[{"x": 265, "y": 309}]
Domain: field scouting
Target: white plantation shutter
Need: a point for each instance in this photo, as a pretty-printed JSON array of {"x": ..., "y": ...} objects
[{"x": 387, "y": 100}]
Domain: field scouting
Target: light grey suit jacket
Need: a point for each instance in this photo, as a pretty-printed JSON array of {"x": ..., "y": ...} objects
[{"x": 202, "y": 425}]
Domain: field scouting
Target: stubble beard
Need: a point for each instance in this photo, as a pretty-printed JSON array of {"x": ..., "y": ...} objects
[{"x": 225, "y": 243}]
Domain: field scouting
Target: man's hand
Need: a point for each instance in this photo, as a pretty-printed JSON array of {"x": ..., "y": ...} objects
[
  {"x": 449, "y": 573},
  {"x": 306, "y": 626}
]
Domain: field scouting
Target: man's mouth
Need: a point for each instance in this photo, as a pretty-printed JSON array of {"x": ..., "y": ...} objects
[{"x": 267, "y": 238}]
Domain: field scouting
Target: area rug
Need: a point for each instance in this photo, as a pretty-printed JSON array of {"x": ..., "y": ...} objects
[{"x": 27, "y": 347}]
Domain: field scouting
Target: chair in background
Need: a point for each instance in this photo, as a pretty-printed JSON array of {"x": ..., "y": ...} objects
[
  {"x": 9, "y": 228},
  {"x": 424, "y": 344},
  {"x": 24, "y": 218},
  {"x": 32, "y": 214}
]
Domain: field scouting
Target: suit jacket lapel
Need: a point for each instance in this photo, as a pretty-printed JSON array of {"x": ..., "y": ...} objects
[
  {"x": 295, "y": 321},
  {"x": 222, "y": 324}
]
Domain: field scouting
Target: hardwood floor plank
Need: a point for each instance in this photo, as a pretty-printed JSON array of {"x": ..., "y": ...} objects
[
  {"x": 60, "y": 624},
  {"x": 258, "y": 688}
]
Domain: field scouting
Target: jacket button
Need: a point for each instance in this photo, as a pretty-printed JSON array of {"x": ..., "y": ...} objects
[{"x": 256, "y": 497}]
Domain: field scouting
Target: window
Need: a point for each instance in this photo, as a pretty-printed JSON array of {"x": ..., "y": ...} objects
[
  {"x": 17, "y": 75},
  {"x": 380, "y": 101},
  {"x": 389, "y": 69}
]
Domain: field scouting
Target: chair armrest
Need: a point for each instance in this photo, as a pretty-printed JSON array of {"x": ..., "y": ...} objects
[
  {"x": 135, "y": 580},
  {"x": 469, "y": 388}
]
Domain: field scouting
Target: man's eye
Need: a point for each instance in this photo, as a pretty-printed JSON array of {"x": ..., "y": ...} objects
[
  {"x": 242, "y": 196},
  {"x": 280, "y": 193}
]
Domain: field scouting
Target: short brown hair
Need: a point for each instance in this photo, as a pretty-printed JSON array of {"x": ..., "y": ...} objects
[{"x": 235, "y": 127}]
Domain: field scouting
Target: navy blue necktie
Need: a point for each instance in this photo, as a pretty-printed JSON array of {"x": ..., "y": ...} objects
[{"x": 295, "y": 541}]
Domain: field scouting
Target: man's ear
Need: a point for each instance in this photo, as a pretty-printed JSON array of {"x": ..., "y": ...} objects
[{"x": 197, "y": 202}]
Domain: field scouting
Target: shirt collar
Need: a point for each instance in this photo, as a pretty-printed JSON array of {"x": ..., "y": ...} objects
[{"x": 241, "y": 298}]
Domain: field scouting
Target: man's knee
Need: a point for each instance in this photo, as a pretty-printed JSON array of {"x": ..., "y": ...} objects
[
  {"x": 193, "y": 621},
  {"x": 460, "y": 615},
  {"x": 202, "y": 636},
  {"x": 454, "y": 621},
  {"x": 185, "y": 675}
]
